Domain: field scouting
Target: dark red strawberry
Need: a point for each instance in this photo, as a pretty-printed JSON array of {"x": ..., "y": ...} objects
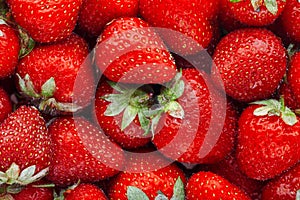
[
  {"x": 35, "y": 191},
  {"x": 206, "y": 185},
  {"x": 197, "y": 126},
  {"x": 250, "y": 63},
  {"x": 5, "y": 105},
  {"x": 286, "y": 92},
  {"x": 95, "y": 14},
  {"x": 255, "y": 12},
  {"x": 268, "y": 139},
  {"x": 58, "y": 76},
  {"x": 294, "y": 75},
  {"x": 129, "y": 51},
  {"x": 9, "y": 50},
  {"x": 46, "y": 21},
  {"x": 81, "y": 152},
  {"x": 283, "y": 187},
  {"x": 85, "y": 192}
]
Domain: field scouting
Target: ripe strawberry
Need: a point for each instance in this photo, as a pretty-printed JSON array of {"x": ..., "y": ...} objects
[
  {"x": 95, "y": 14},
  {"x": 250, "y": 63},
  {"x": 190, "y": 19},
  {"x": 283, "y": 187},
  {"x": 294, "y": 75},
  {"x": 290, "y": 20},
  {"x": 109, "y": 105},
  {"x": 46, "y": 21},
  {"x": 35, "y": 191},
  {"x": 57, "y": 76},
  {"x": 5, "y": 105},
  {"x": 268, "y": 139},
  {"x": 85, "y": 192},
  {"x": 9, "y": 48},
  {"x": 255, "y": 13},
  {"x": 81, "y": 152},
  {"x": 130, "y": 51},
  {"x": 285, "y": 90},
  {"x": 193, "y": 127},
  {"x": 206, "y": 185}
]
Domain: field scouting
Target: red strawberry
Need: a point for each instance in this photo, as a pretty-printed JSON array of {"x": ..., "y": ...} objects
[
  {"x": 250, "y": 63},
  {"x": 283, "y": 187},
  {"x": 206, "y": 185},
  {"x": 194, "y": 128},
  {"x": 112, "y": 109},
  {"x": 49, "y": 75},
  {"x": 130, "y": 51},
  {"x": 46, "y": 21},
  {"x": 190, "y": 19},
  {"x": 289, "y": 97},
  {"x": 85, "y": 192},
  {"x": 294, "y": 75},
  {"x": 290, "y": 19},
  {"x": 95, "y": 14},
  {"x": 257, "y": 12},
  {"x": 9, "y": 48},
  {"x": 81, "y": 152},
  {"x": 35, "y": 191},
  {"x": 5, "y": 105},
  {"x": 268, "y": 139}
]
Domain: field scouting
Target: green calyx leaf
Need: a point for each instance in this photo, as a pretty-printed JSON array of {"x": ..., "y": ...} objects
[
  {"x": 174, "y": 109},
  {"x": 27, "y": 87},
  {"x": 134, "y": 193},
  {"x": 48, "y": 88},
  {"x": 178, "y": 190},
  {"x": 298, "y": 195},
  {"x": 235, "y": 1},
  {"x": 27, "y": 43},
  {"x": 161, "y": 196},
  {"x": 271, "y": 6}
]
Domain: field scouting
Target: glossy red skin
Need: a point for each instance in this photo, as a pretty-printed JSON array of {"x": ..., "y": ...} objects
[
  {"x": 266, "y": 145},
  {"x": 283, "y": 187},
  {"x": 206, "y": 185},
  {"x": 63, "y": 61},
  {"x": 289, "y": 97},
  {"x": 290, "y": 19},
  {"x": 46, "y": 21},
  {"x": 294, "y": 75},
  {"x": 132, "y": 137},
  {"x": 5, "y": 105},
  {"x": 9, "y": 50},
  {"x": 251, "y": 64},
  {"x": 95, "y": 14},
  {"x": 85, "y": 192},
  {"x": 34, "y": 193},
  {"x": 245, "y": 13},
  {"x": 187, "y": 18},
  {"x": 171, "y": 136},
  {"x": 24, "y": 139},
  {"x": 128, "y": 51},
  {"x": 81, "y": 152}
]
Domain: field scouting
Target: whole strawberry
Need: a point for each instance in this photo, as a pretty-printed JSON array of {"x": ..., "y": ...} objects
[
  {"x": 206, "y": 185},
  {"x": 95, "y": 14},
  {"x": 250, "y": 63},
  {"x": 283, "y": 187},
  {"x": 57, "y": 77},
  {"x": 5, "y": 105},
  {"x": 9, "y": 50},
  {"x": 129, "y": 51},
  {"x": 85, "y": 191},
  {"x": 268, "y": 139},
  {"x": 81, "y": 152},
  {"x": 294, "y": 75},
  {"x": 290, "y": 20},
  {"x": 46, "y": 21}
]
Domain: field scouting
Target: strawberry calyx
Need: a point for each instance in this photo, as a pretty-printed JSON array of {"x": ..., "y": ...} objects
[
  {"x": 134, "y": 193},
  {"x": 61, "y": 195},
  {"x": 298, "y": 195},
  {"x": 44, "y": 100},
  {"x": 274, "y": 107},
  {"x": 27, "y": 43},
  {"x": 13, "y": 180},
  {"x": 271, "y": 5}
]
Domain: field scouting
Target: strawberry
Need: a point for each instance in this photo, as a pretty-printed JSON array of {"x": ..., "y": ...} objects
[
  {"x": 257, "y": 12},
  {"x": 250, "y": 63},
  {"x": 190, "y": 19},
  {"x": 95, "y": 14},
  {"x": 290, "y": 20},
  {"x": 192, "y": 128},
  {"x": 35, "y": 191},
  {"x": 283, "y": 187},
  {"x": 49, "y": 76},
  {"x": 294, "y": 76},
  {"x": 118, "y": 113},
  {"x": 286, "y": 92},
  {"x": 5, "y": 105},
  {"x": 46, "y": 21},
  {"x": 268, "y": 139},
  {"x": 85, "y": 192},
  {"x": 207, "y": 185},
  {"x": 9, "y": 48},
  {"x": 81, "y": 152},
  {"x": 129, "y": 51}
]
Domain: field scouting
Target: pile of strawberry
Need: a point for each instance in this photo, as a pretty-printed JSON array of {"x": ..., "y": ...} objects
[{"x": 149, "y": 99}]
